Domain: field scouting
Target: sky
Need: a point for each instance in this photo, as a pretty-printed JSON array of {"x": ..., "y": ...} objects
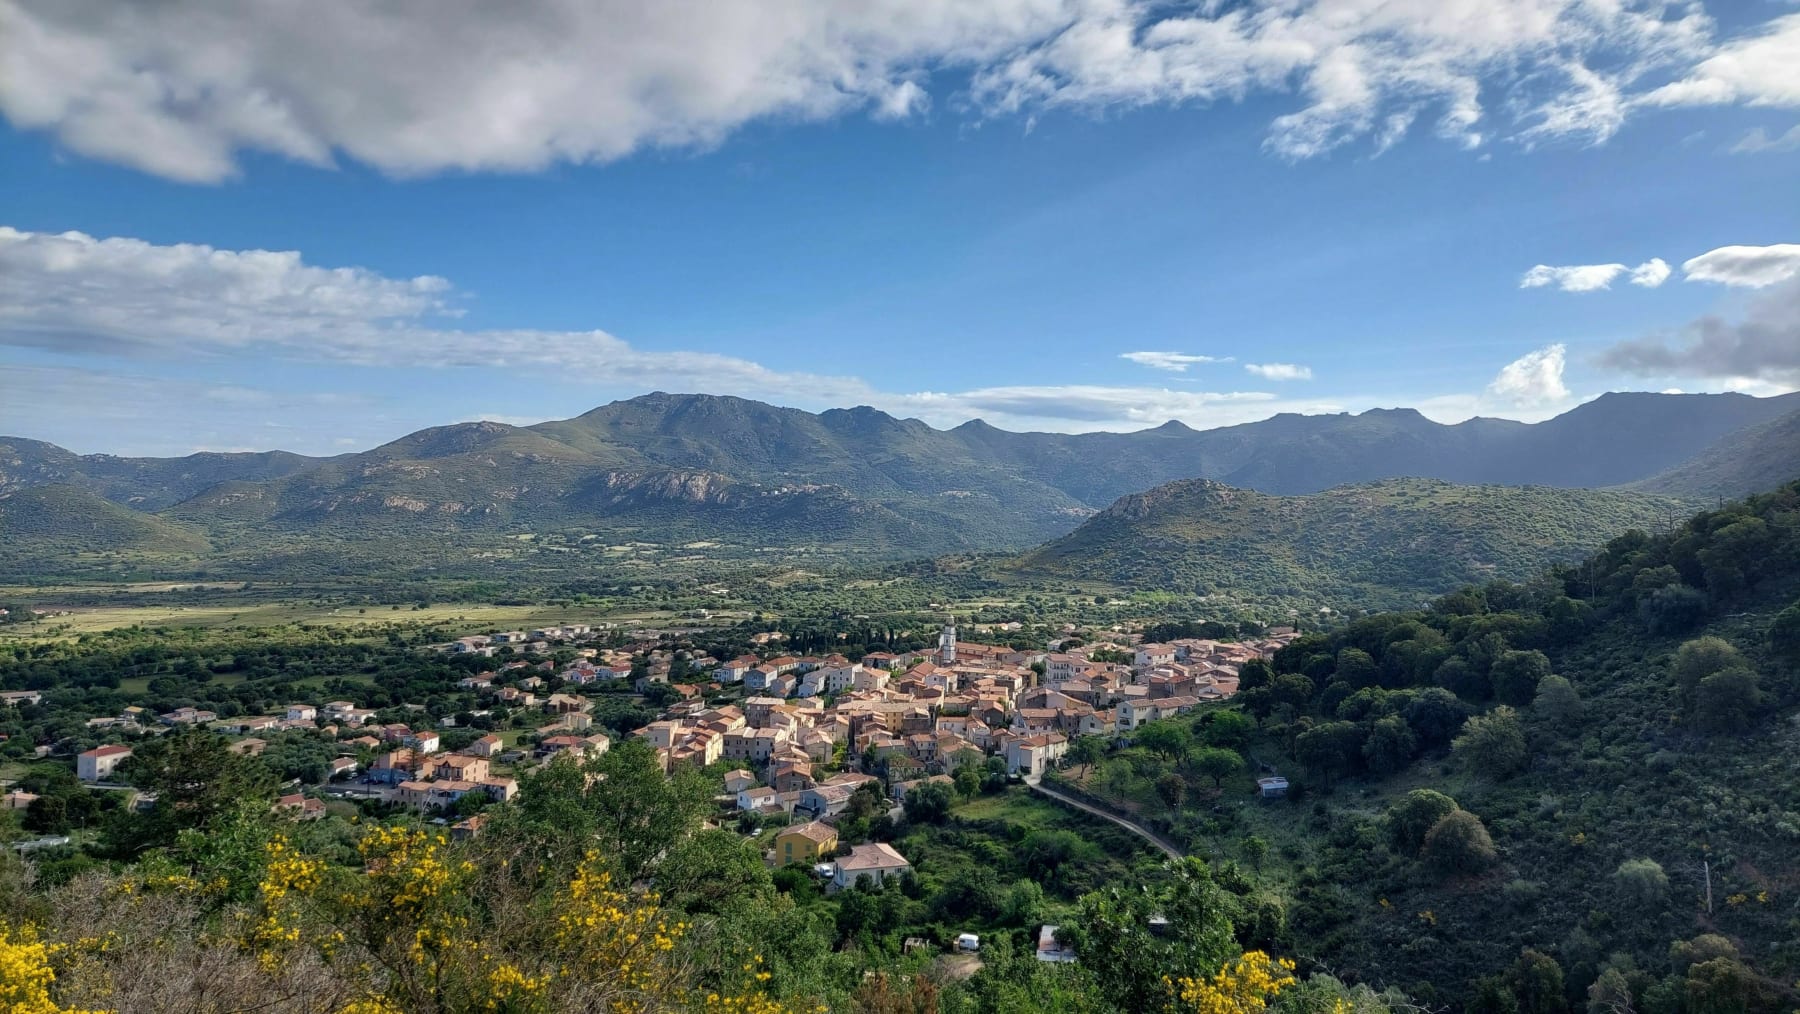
[{"x": 320, "y": 227}]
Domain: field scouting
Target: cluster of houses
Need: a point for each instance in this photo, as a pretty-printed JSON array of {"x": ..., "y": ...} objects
[
  {"x": 532, "y": 641},
  {"x": 815, "y": 844},
  {"x": 910, "y": 716},
  {"x": 921, "y": 714}
]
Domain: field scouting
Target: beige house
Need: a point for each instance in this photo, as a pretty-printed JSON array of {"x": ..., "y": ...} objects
[{"x": 875, "y": 863}]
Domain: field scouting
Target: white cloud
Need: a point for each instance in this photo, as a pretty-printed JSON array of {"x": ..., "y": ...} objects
[
  {"x": 1746, "y": 266},
  {"x": 1757, "y": 70},
  {"x": 1174, "y": 362},
  {"x": 1280, "y": 371},
  {"x": 138, "y": 412},
  {"x": 182, "y": 88},
  {"x": 1651, "y": 273},
  {"x": 1533, "y": 380},
  {"x": 76, "y": 294},
  {"x": 1758, "y": 140},
  {"x": 1593, "y": 277}
]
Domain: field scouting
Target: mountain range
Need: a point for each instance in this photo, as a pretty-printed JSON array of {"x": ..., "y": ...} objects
[{"x": 671, "y": 469}]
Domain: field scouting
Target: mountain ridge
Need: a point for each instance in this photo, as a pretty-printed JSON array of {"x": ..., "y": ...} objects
[{"x": 682, "y": 467}]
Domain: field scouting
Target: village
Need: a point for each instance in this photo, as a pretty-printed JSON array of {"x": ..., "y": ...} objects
[{"x": 792, "y": 739}]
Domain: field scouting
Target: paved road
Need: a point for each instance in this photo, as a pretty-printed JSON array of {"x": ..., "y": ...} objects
[{"x": 1142, "y": 832}]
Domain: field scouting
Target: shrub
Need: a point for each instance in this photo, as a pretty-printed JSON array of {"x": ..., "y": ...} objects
[
  {"x": 1643, "y": 881},
  {"x": 1413, "y": 817},
  {"x": 1493, "y": 743},
  {"x": 1459, "y": 843}
]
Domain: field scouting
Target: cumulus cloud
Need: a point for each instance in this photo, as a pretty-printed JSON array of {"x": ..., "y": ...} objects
[
  {"x": 182, "y": 88},
  {"x": 1593, "y": 277},
  {"x": 1760, "y": 347},
  {"x": 1757, "y": 70},
  {"x": 1651, "y": 273},
  {"x": 1174, "y": 362},
  {"x": 1758, "y": 140},
  {"x": 1280, "y": 371},
  {"x": 1751, "y": 267},
  {"x": 1533, "y": 380}
]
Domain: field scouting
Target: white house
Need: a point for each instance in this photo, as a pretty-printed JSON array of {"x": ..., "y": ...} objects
[
  {"x": 97, "y": 764},
  {"x": 1033, "y": 755}
]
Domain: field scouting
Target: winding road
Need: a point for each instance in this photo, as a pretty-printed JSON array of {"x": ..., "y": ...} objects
[{"x": 1142, "y": 832}]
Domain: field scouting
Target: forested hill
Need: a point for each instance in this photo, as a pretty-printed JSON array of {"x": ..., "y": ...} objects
[
  {"x": 1573, "y": 793},
  {"x": 1394, "y": 542},
  {"x": 670, "y": 468}
]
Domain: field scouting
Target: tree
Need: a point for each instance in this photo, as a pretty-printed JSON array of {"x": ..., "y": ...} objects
[
  {"x": 620, "y": 802},
  {"x": 1166, "y": 738},
  {"x": 1516, "y": 675},
  {"x": 1536, "y": 981},
  {"x": 1784, "y": 632},
  {"x": 1357, "y": 668},
  {"x": 1390, "y": 745},
  {"x": 1643, "y": 881},
  {"x": 1557, "y": 702},
  {"x": 1331, "y": 749},
  {"x": 1086, "y": 751},
  {"x": 1493, "y": 744},
  {"x": 1728, "y": 700},
  {"x": 1610, "y": 994},
  {"x": 929, "y": 803},
  {"x": 1129, "y": 962},
  {"x": 196, "y": 778},
  {"x": 1216, "y": 763},
  {"x": 1434, "y": 715},
  {"x": 1463, "y": 679},
  {"x": 711, "y": 872},
  {"x": 1697, "y": 659},
  {"x": 1725, "y": 986},
  {"x": 1172, "y": 790},
  {"x": 1459, "y": 843},
  {"x": 1230, "y": 729},
  {"x": 1255, "y": 673},
  {"x": 1255, "y": 849},
  {"x": 1293, "y": 690},
  {"x": 1675, "y": 609},
  {"x": 1412, "y": 818}
]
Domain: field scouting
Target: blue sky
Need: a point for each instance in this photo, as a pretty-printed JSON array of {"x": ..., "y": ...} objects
[{"x": 942, "y": 218}]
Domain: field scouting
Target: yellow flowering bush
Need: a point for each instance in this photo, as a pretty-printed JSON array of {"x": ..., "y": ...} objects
[
  {"x": 26, "y": 974},
  {"x": 1244, "y": 986}
]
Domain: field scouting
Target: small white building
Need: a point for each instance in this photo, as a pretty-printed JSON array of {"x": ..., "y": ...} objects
[{"x": 97, "y": 765}]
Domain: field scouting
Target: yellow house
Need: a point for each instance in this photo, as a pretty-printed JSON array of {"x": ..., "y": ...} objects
[{"x": 805, "y": 843}]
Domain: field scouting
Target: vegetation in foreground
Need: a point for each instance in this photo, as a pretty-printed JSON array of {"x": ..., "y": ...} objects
[{"x": 1593, "y": 769}]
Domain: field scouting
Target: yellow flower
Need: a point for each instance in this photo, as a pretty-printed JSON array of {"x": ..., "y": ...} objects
[
  {"x": 26, "y": 975},
  {"x": 1243, "y": 986}
]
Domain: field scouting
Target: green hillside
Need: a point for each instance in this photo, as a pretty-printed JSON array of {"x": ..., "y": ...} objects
[
  {"x": 1747, "y": 461},
  {"x": 1395, "y": 541},
  {"x": 1594, "y": 769},
  {"x": 48, "y": 526}
]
